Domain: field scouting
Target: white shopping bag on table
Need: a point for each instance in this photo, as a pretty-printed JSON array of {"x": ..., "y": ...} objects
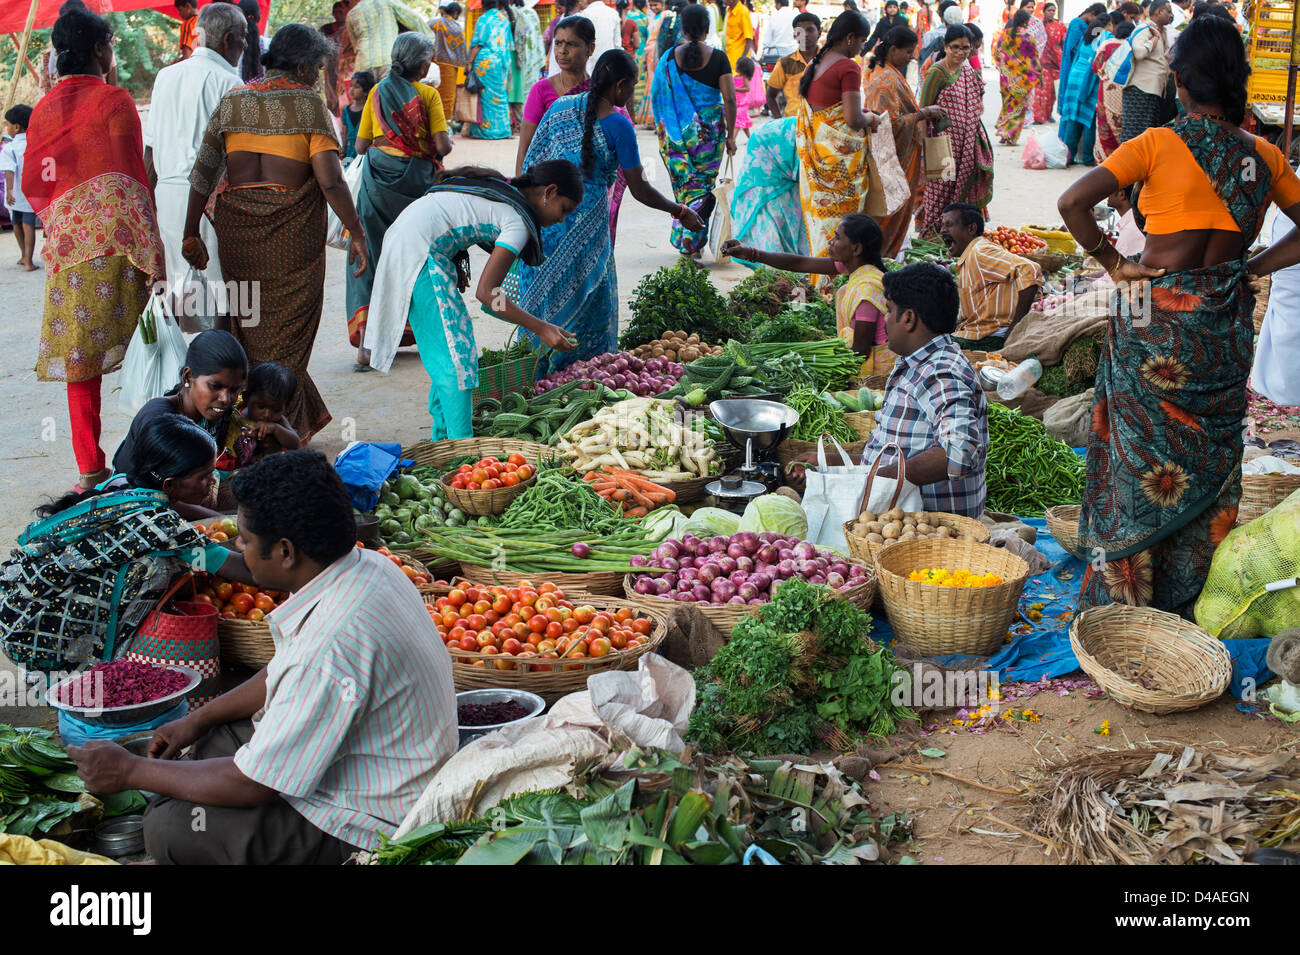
[
  {"x": 335, "y": 234},
  {"x": 832, "y": 495},
  {"x": 881, "y": 494},
  {"x": 155, "y": 357}
]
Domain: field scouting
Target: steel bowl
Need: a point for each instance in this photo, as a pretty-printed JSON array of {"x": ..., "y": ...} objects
[
  {"x": 529, "y": 701},
  {"x": 990, "y": 375},
  {"x": 123, "y": 836},
  {"x": 124, "y": 715},
  {"x": 768, "y": 423}
]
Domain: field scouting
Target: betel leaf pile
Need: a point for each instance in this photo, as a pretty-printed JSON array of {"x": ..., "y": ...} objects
[{"x": 39, "y": 786}]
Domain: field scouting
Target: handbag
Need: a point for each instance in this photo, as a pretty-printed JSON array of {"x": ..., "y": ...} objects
[
  {"x": 939, "y": 163},
  {"x": 473, "y": 82},
  {"x": 182, "y": 633},
  {"x": 466, "y": 109},
  {"x": 888, "y": 189},
  {"x": 881, "y": 494},
  {"x": 720, "y": 221}
]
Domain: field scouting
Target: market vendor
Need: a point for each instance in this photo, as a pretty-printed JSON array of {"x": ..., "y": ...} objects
[
  {"x": 86, "y": 574},
  {"x": 357, "y": 709},
  {"x": 934, "y": 406},
  {"x": 997, "y": 286}
]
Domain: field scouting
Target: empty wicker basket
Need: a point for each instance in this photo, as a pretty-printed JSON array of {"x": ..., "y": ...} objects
[
  {"x": 1260, "y": 493},
  {"x": 936, "y": 620},
  {"x": 1063, "y": 522},
  {"x": 1150, "y": 660}
]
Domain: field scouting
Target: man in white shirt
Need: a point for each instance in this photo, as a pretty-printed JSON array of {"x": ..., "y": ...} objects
[
  {"x": 331, "y": 744},
  {"x": 609, "y": 35},
  {"x": 777, "y": 38},
  {"x": 185, "y": 95},
  {"x": 1277, "y": 355}
]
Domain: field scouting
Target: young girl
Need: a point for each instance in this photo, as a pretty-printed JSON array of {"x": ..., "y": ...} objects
[
  {"x": 854, "y": 250},
  {"x": 744, "y": 79},
  {"x": 363, "y": 82}
]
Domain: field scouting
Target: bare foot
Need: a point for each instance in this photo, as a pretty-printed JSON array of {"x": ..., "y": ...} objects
[{"x": 31, "y": 268}]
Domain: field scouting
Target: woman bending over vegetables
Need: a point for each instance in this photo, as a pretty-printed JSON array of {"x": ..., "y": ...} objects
[
  {"x": 854, "y": 249},
  {"x": 425, "y": 266}
]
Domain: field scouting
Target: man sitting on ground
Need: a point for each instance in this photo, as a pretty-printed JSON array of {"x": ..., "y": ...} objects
[
  {"x": 997, "y": 287},
  {"x": 357, "y": 709}
]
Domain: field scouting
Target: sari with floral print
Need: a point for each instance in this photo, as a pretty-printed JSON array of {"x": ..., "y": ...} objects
[{"x": 1164, "y": 454}]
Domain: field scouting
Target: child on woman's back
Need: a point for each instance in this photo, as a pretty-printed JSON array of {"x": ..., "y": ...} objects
[{"x": 259, "y": 425}]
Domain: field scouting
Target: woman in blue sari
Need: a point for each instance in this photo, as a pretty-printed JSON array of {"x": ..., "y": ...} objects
[
  {"x": 403, "y": 137},
  {"x": 575, "y": 287},
  {"x": 491, "y": 57},
  {"x": 765, "y": 210},
  {"x": 694, "y": 103},
  {"x": 1078, "y": 100}
]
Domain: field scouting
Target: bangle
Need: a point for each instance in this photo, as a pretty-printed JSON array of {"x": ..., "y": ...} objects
[{"x": 1097, "y": 248}]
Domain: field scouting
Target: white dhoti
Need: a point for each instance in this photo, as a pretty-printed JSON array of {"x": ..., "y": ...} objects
[{"x": 173, "y": 202}]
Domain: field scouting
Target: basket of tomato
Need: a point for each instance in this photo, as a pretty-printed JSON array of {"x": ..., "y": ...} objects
[
  {"x": 1013, "y": 240},
  {"x": 538, "y": 638},
  {"x": 487, "y": 487},
  {"x": 244, "y": 635}
]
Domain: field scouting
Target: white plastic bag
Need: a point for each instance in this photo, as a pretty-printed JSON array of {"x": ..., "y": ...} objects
[
  {"x": 335, "y": 234},
  {"x": 720, "y": 221},
  {"x": 199, "y": 303},
  {"x": 883, "y": 494},
  {"x": 155, "y": 357},
  {"x": 1055, "y": 153},
  {"x": 832, "y": 495}
]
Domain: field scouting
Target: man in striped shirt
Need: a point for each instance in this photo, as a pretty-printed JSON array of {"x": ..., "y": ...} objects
[
  {"x": 350, "y": 719},
  {"x": 997, "y": 286}
]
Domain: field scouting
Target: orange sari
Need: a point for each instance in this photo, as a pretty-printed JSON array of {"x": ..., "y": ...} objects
[{"x": 887, "y": 90}]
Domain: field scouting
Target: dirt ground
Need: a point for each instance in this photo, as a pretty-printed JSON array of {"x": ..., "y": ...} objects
[{"x": 37, "y": 463}]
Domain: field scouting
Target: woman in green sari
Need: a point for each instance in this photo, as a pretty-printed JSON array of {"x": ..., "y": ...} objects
[
  {"x": 86, "y": 574},
  {"x": 1164, "y": 454}
]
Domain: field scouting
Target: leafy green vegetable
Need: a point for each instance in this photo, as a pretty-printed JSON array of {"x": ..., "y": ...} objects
[
  {"x": 487, "y": 357},
  {"x": 767, "y": 292},
  {"x": 798, "y": 322},
  {"x": 775, "y": 513},
  {"x": 679, "y": 296},
  {"x": 801, "y": 675}
]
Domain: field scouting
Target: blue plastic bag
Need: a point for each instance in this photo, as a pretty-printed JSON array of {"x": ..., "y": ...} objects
[
  {"x": 74, "y": 732},
  {"x": 364, "y": 466}
]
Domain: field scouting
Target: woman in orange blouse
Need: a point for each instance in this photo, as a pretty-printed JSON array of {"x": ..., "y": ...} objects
[
  {"x": 1164, "y": 455},
  {"x": 272, "y": 144}
]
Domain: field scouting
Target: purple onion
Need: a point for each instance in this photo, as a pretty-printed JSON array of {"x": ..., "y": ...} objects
[
  {"x": 688, "y": 573},
  {"x": 669, "y": 563},
  {"x": 736, "y": 550},
  {"x": 805, "y": 551},
  {"x": 709, "y": 573},
  {"x": 684, "y": 597},
  {"x": 663, "y": 587},
  {"x": 745, "y": 564},
  {"x": 856, "y": 572},
  {"x": 581, "y": 550},
  {"x": 747, "y": 590},
  {"x": 786, "y": 569},
  {"x": 638, "y": 561},
  {"x": 689, "y": 542},
  {"x": 670, "y": 579},
  {"x": 727, "y": 565},
  {"x": 748, "y": 540},
  {"x": 761, "y": 581},
  {"x": 718, "y": 545},
  {"x": 733, "y": 600},
  {"x": 723, "y": 589},
  {"x": 757, "y": 602},
  {"x": 666, "y": 549},
  {"x": 738, "y": 577},
  {"x": 767, "y": 554},
  {"x": 816, "y": 579},
  {"x": 785, "y": 553},
  {"x": 807, "y": 568},
  {"x": 835, "y": 579},
  {"x": 703, "y": 593},
  {"x": 840, "y": 568},
  {"x": 643, "y": 585}
]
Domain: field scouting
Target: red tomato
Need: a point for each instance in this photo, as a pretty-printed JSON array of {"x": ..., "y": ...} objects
[
  {"x": 543, "y": 604},
  {"x": 642, "y": 626},
  {"x": 584, "y": 614},
  {"x": 481, "y": 606},
  {"x": 476, "y": 621},
  {"x": 241, "y": 603},
  {"x": 526, "y": 472},
  {"x": 456, "y": 597},
  {"x": 623, "y": 614},
  {"x": 478, "y": 475},
  {"x": 517, "y": 459},
  {"x": 474, "y": 486},
  {"x": 501, "y": 604},
  {"x": 510, "y": 479},
  {"x": 511, "y": 646},
  {"x": 255, "y": 614},
  {"x": 537, "y": 623},
  {"x": 554, "y": 629},
  {"x": 618, "y": 640},
  {"x": 599, "y": 647},
  {"x": 468, "y": 642},
  {"x": 522, "y": 630}
]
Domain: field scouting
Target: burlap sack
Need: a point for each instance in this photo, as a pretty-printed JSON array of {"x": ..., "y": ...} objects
[
  {"x": 1070, "y": 419},
  {"x": 1046, "y": 335}
]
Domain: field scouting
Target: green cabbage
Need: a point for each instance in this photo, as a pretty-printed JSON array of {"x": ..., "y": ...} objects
[
  {"x": 711, "y": 522},
  {"x": 663, "y": 523},
  {"x": 775, "y": 513}
]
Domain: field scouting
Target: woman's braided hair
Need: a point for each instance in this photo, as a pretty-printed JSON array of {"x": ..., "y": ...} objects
[
  {"x": 847, "y": 23},
  {"x": 613, "y": 67}
]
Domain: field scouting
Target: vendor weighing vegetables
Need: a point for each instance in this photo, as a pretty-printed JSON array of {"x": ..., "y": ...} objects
[{"x": 357, "y": 706}]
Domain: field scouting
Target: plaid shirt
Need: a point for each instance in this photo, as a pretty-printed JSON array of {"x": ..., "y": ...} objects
[{"x": 934, "y": 399}]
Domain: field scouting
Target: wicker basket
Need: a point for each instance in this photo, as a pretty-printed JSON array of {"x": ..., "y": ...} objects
[
  {"x": 548, "y": 684},
  {"x": 865, "y": 551},
  {"x": 1260, "y": 493},
  {"x": 436, "y": 453},
  {"x": 515, "y": 374},
  {"x": 1265, "y": 285},
  {"x": 1063, "y": 522},
  {"x": 487, "y": 503},
  {"x": 1150, "y": 660},
  {"x": 245, "y": 642},
  {"x": 936, "y": 620},
  {"x": 727, "y": 616},
  {"x": 688, "y": 492},
  {"x": 608, "y": 584}
]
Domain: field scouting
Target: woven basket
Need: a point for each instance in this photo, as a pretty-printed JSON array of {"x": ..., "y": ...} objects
[
  {"x": 485, "y": 503},
  {"x": 865, "y": 551},
  {"x": 515, "y": 374},
  {"x": 245, "y": 642},
  {"x": 1260, "y": 493},
  {"x": 727, "y": 616},
  {"x": 551, "y": 685},
  {"x": 608, "y": 584},
  {"x": 935, "y": 620},
  {"x": 1150, "y": 660},
  {"x": 436, "y": 453},
  {"x": 1063, "y": 522},
  {"x": 688, "y": 492},
  {"x": 863, "y": 422},
  {"x": 1265, "y": 285}
]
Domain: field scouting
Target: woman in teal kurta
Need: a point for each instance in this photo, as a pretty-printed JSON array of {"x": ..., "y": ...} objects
[{"x": 491, "y": 56}]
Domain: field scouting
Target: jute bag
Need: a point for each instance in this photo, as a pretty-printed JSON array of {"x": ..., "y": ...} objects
[
  {"x": 888, "y": 188},
  {"x": 720, "y": 221},
  {"x": 939, "y": 163},
  {"x": 466, "y": 108}
]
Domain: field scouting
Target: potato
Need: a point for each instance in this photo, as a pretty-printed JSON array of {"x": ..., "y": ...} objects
[
  {"x": 908, "y": 534},
  {"x": 690, "y": 353},
  {"x": 692, "y": 338},
  {"x": 867, "y": 516},
  {"x": 946, "y": 532},
  {"x": 892, "y": 530},
  {"x": 894, "y": 515},
  {"x": 923, "y": 529},
  {"x": 875, "y": 527},
  {"x": 875, "y": 538},
  {"x": 909, "y": 522}
]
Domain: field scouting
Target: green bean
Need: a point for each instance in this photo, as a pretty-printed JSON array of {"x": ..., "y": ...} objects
[
  {"x": 817, "y": 417},
  {"x": 1028, "y": 470}
]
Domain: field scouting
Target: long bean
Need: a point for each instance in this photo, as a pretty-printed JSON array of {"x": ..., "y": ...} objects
[
  {"x": 557, "y": 502},
  {"x": 817, "y": 417},
  {"x": 532, "y": 551},
  {"x": 1028, "y": 470}
]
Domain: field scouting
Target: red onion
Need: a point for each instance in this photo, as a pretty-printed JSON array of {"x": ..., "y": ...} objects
[
  {"x": 761, "y": 581},
  {"x": 639, "y": 561},
  {"x": 785, "y": 570},
  {"x": 805, "y": 551},
  {"x": 727, "y": 565},
  {"x": 724, "y": 589},
  {"x": 703, "y": 593},
  {"x": 747, "y": 590},
  {"x": 745, "y": 564},
  {"x": 785, "y": 553},
  {"x": 807, "y": 568},
  {"x": 685, "y": 597},
  {"x": 668, "y": 563},
  {"x": 840, "y": 568},
  {"x": 670, "y": 578},
  {"x": 816, "y": 579},
  {"x": 666, "y": 549},
  {"x": 739, "y": 577},
  {"x": 643, "y": 585},
  {"x": 663, "y": 587},
  {"x": 718, "y": 545},
  {"x": 767, "y": 554},
  {"x": 736, "y": 550},
  {"x": 835, "y": 579},
  {"x": 581, "y": 550},
  {"x": 748, "y": 540},
  {"x": 688, "y": 573},
  {"x": 709, "y": 573}
]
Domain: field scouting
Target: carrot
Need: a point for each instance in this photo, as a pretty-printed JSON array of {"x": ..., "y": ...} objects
[{"x": 635, "y": 512}]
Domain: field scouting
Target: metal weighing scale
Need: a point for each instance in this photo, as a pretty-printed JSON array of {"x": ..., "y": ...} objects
[{"x": 756, "y": 427}]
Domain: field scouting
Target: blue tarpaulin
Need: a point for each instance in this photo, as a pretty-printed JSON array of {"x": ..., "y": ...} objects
[
  {"x": 1044, "y": 651},
  {"x": 364, "y": 466}
]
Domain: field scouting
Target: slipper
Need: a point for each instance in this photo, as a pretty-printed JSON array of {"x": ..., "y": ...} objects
[{"x": 358, "y": 367}]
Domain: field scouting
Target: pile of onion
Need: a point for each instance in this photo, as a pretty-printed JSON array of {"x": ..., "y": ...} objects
[
  {"x": 742, "y": 569},
  {"x": 643, "y": 377}
]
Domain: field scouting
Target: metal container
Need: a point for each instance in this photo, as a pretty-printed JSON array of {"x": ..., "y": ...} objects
[
  {"x": 529, "y": 701},
  {"x": 138, "y": 745},
  {"x": 367, "y": 528},
  {"x": 765, "y": 423},
  {"x": 733, "y": 492},
  {"x": 124, "y": 715},
  {"x": 123, "y": 836},
  {"x": 990, "y": 375}
]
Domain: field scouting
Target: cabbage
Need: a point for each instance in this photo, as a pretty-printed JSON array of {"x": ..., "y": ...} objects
[
  {"x": 775, "y": 513},
  {"x": 663, "y": 523},
  {"x": 709, "y": 522}
]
